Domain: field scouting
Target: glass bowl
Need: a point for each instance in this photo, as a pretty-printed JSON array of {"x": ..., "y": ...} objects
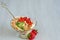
[{"x": 22, "y": 34}]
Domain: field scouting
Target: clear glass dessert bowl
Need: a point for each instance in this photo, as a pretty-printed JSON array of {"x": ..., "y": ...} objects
[
  {"x": 23, "y": 28},
  {"x": 20, "y": 24}
]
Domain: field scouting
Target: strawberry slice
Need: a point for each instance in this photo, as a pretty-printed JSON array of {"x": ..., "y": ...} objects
[
  {"x": 25, "y": 18},
  {"x": 28, "y": 21},
  {"x": 21, "y": 19}
]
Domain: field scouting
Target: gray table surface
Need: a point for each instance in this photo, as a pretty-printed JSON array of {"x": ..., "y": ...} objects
[{"x": 47, "y": 13}]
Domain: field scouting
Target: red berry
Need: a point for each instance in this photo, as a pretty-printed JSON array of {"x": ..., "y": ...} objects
[
  {"x": 34, "y": 31},
  {"x": 32, "y": 35},
  {"x": 25, "y": 18},
  {"x": 21, "y": 19},
  {"x": 30, "y": 39},
  {"x": 29, "y": 21}
]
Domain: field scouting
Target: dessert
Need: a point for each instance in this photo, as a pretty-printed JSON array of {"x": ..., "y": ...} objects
[{"x": 22, "y": 23}]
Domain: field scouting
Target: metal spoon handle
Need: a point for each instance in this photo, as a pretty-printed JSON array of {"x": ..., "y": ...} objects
[
  {"x": 4, "y": 6},
  {"x": 10, "y": 12}
]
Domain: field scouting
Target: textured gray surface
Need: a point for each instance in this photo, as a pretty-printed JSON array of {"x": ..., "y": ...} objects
[{"x": 47, "y": 13}]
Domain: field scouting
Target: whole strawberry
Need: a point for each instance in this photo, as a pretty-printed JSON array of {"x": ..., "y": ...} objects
[
  {"x": 32, "y": 34},
  {"x": 34, "y": 31}
]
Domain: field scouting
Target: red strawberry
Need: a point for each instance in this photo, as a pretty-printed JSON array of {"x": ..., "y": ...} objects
[
  {"x": 25, "y": 18},
  {"x": 21, "y": 19},
  {"x": 32, "y": 35},
  {"x": 29, "y": 21},
  {"x": 30, "y": 39},
  {"x": 34, "y": 31}
]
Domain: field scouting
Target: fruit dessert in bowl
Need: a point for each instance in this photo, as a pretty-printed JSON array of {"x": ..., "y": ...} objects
[{"x": 23, "y": 25}]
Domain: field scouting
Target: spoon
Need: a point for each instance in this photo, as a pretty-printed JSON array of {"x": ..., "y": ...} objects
[{"x": 5, "y": 6}]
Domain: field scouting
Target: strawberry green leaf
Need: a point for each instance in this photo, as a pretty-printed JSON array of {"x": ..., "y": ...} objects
[{"x": 28, "y": 35}]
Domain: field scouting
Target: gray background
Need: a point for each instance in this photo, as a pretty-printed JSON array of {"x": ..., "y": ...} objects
[{"x": 47, "y": 13}]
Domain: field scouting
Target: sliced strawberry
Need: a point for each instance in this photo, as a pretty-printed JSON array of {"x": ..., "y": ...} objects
[
  {"x": 21, "y": 19},
  {"x": 29, "y": 21},
  {"x": 25, "y": 18}
]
